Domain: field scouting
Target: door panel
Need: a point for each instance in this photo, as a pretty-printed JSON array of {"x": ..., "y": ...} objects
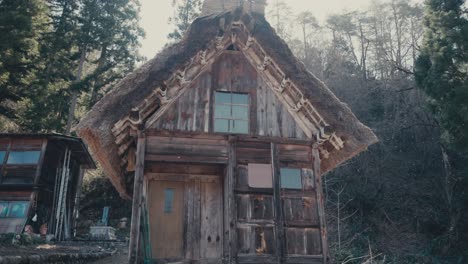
[
  {"x": 166, "y": 210},
  {"x": 211, "y": 245}
]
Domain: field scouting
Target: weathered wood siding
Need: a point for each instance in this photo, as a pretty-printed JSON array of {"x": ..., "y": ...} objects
[{"x": 231, "y": 72}]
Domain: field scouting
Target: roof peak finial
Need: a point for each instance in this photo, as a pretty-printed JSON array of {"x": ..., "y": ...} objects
[{"x": 219, "y": 6}]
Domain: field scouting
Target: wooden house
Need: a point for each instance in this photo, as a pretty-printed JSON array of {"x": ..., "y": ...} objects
[
  {"x": 40, "y": 182},
  {"x": 221, "y": 140}
]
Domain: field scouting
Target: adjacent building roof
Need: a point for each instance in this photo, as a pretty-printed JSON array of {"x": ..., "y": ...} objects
[
  {"x": 110, "y": 126},
  {"x": 76, "y": 145}
]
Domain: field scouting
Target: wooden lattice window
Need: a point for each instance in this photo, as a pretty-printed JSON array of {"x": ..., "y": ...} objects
[{"x": 231, "y": 113}]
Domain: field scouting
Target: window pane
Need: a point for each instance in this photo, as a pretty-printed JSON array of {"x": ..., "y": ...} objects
[
  {"x": 18, "y": 209},
  {"x": 221, "y": 125},
  {"x": 240, "y": 98},
  {"x": 23, "y": 157},
  {"x": 2, "y": 156},
  {"x": 239, "y": 126},
  {"x": 222, "y": 111},
  {"x": 168, "y": 200},
  {"x": 3, "y": 209},
  {"x": 240, "y": 112},
  {"x": 291, "y": 178},
  {"x": 260, "y": 175},
  {"x": 222, "y": 98}
]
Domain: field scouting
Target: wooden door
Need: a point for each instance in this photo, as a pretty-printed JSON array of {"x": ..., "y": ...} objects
[
  {"x": 166, "y": 212},
  {"x": 186, "y": 217},
  {"x": 211, "y": 230}
]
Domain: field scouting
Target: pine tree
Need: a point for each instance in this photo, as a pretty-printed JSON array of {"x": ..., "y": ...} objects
[
  {"x": 186, "y": 11},
  {"x": 22, "y": 23},
  {"x": 442, "y": 68},
  {"x": 442, "y": 72}
]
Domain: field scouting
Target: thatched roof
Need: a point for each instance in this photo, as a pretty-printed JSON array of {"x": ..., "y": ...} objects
[{"x": 96, "y": 127}]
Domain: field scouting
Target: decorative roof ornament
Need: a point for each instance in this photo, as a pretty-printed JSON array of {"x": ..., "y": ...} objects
[{"x": 211, "y": 7}]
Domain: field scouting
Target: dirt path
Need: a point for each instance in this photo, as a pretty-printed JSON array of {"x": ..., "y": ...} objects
[{"x": 118, "y": 258}]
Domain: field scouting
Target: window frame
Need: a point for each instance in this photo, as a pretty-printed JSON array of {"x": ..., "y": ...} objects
[
  {"x": 260, "y": 166},
  {"x": 8, "y": 209},
  {"x": 282, "y": 176},
  {"x": 232, "y": 104}
]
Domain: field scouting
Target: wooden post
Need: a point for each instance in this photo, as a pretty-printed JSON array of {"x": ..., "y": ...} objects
[
  {"x": 230, "y": 219},
  {"x": 133, "y": 250},
  {"x": 320, "y": 201},
  {"x": 275, "y": 169}
]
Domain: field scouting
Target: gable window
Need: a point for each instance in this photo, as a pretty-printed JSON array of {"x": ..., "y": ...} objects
[
  {"x": 231, "y": 113},
  {"x": 260, "y": 175},
  {"x": 291, "y": 178}
]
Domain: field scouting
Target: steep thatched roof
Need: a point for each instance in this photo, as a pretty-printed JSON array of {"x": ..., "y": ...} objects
[{"x": 96, "y": 127}]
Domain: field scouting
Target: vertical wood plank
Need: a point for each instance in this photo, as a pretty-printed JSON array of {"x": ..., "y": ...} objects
[
  {"x": 230, "y": 217},
  {"x": 320, "y": 201},
  {"x": 275, "y": 166},
  {"x": 211, "y": 225},
  {"x": 137, "y": 198}
]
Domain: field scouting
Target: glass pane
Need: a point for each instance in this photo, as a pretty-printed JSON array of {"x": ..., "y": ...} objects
[
  {"x": 221, "y": 125},
  {"x": 23, "y": 157},
  {"x": 291, "y": 178},
  {"x": 3, "y": 209},
  {"x": 260, "y": 175},
  {"x": 168, "y": 200},
  {"x": 239, "y": 126},
  {"x": 240, "y": 112},
  {"x": 222, "y": 98},
  {"x": 18, "y": 209},
  {"x": 222, "y": 111},
  {"x": 2, "y": 156},
  {"x": 240, "y": 98}
]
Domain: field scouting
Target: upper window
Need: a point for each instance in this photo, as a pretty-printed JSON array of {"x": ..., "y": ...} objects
[
  {"x": 291, "y": 178},
  {"x": 231, "y": 113},
  {"x": 23, "y": 157},
  {"x": 2, "y": 156}
]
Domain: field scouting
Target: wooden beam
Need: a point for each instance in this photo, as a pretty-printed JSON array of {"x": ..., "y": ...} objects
[
  {"x": 230, "y": 219},
  {"x": 133, "y": 249},
  {"x": 320, "y": 201},
  {"x": 275, "y": 169}
]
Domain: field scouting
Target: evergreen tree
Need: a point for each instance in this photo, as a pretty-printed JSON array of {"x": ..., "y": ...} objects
[
  {"x": 442, "y": 72},
  {"x": 442, "y": 68},
  {"x": 185, "y": 12},
  {"x": 21, "y": 25}
]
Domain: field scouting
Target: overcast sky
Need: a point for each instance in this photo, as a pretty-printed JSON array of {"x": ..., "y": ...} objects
[{"x": 155, "y": 15}]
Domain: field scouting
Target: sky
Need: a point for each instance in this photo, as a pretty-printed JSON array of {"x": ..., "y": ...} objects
[{"x": 155, "y": 15}]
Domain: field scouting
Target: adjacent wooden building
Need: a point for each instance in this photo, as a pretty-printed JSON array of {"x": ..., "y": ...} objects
[
  {"x": 222, "y": 140},
  {"x": 40, "y": 182}
]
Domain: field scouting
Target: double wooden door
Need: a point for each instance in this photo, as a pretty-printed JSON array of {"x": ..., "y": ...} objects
[{"x": 186, "y": 217}]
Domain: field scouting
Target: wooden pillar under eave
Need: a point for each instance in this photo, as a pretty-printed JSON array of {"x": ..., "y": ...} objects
[
  {"x": 230, "y": 219},
  {"x": 320, "y": 201},
  {"x": 133, "y": 250}
]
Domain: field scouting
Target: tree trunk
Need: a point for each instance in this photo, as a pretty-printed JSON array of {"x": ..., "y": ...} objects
[{"x": 74, "y": 98}]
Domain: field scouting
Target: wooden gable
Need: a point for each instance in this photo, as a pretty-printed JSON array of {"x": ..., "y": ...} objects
[{"x": 232, "y": 72}]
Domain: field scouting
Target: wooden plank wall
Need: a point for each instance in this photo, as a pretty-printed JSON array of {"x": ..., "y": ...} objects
[
  {"x": 231, "y": 72},
  {"x": 259, "y": 214},
  {"x": 186, "y": 150}
]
